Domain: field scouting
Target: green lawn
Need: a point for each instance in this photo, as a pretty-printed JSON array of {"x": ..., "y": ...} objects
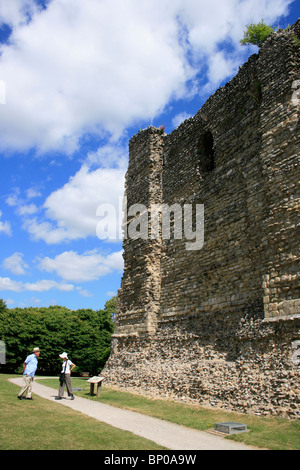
[
  {"x": 269, "y": 433},
  {"x": 43, "y": 425},
  {"x": 46, "y": 425}
]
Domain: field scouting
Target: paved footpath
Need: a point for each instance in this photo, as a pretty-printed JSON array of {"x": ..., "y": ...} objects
[{"x": 172, "y": 436}]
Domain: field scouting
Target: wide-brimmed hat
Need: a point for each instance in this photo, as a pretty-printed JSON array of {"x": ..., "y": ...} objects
[
  {"x": 64, "y": 355},
  {"x": 36, "y": 350}
]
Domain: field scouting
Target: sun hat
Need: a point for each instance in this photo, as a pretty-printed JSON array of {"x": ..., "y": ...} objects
[
  {"x": 35, "y": 350},
  {"x": 64, "y": 355}
]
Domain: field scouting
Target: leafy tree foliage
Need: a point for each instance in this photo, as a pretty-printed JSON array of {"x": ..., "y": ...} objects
[
  {"x": 256, "y": 34},
  {"x": 110, "y": 306},
  {"x": 84, "y": 334},
  {"x": 2, "y": 306}
]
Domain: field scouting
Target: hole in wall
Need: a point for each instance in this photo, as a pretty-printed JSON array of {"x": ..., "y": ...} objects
[{"x": 206, "y": 152}]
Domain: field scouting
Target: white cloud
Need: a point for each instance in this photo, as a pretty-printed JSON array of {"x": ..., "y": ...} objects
[
  {"x": 209, "y": 23},
  {"x": 84, "y": 292},
  {"x": 99, "y": 66},
  {"x": 5, "y": 227},
  {"x": 12, "y": 199},
  {"x": 220, "y": 67},
  {"x": 8, "y": 284},
  {"x": 22, "y": 206},
  {"x": 70, "y": 212},
  {"x": 33, "y": 193},
  {"x": 16, "y": 12},
  {"x": 111, "y": 294},
  {"x": 27, "y": 209},
  {"x": 39, "y": 286},
  {"x": 34, "y": 301},
  {"x": 15, "y": 264},
  {"x": 45, "y": 285},
  {"x": 179, "y": 118},
  {"x": 111, "y": 155},
  {"x": 107, "y": 65},
  {"x": 89, "y": 266}
]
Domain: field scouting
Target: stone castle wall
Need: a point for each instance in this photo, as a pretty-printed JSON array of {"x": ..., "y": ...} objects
[{"x": 220, "y": 325}]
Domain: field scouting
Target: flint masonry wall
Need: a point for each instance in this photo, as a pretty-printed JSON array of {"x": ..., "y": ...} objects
[{"x": 220, "y": 326}]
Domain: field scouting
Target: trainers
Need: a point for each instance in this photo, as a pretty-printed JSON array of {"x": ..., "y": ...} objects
[
  {"x": 58, "y": 398},
  {"x": 72, "y": 397},
  {"x": 20, "y": 397},
  {"x": 29, "y": 398}
]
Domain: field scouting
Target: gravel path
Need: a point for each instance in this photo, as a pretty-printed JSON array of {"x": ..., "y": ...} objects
[{"x": 169, "y": 435}]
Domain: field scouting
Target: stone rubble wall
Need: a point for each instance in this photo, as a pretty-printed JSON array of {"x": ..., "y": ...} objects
[{"x": 245, "y": 367}]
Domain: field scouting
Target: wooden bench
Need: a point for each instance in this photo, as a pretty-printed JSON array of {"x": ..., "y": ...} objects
[{"x": 95, "y": 380}]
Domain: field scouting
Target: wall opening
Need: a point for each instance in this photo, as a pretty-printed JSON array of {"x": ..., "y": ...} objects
[{"x": 207, "y": 152}]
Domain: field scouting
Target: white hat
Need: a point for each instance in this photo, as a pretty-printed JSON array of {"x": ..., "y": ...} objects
[
  {"x": 64, "y": 355},
  {"x": 35, "y": 349}
]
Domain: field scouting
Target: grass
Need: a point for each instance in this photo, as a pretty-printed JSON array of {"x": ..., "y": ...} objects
[
  {"x": 264, "y": 432},
  {"x": 43, "y": 425},
  {"x": 46, "y": 425}
]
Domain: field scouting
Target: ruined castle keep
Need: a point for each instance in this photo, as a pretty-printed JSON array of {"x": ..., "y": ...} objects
[{"x": 220, "y": 325}]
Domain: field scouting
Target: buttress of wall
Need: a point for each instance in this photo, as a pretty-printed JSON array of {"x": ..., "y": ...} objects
[{"x": 138, "y": 301}]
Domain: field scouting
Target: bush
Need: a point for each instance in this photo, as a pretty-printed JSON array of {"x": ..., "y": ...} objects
[
  {"x": 256, "y": 34},
  {"x": 84, "y": 334}
]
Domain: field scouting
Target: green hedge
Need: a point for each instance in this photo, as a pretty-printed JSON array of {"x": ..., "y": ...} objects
[{"x": 84, "y": 334}]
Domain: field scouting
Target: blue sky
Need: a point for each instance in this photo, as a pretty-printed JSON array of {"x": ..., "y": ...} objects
[{"x": 77, "y": 80}]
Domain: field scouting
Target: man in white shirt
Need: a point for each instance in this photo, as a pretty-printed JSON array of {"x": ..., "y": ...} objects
[
  {"x": 29, "y": 369},
  {"x": 65, "y": 377}
]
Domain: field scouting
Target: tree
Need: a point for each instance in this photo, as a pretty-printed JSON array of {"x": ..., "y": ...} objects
[
  {"x": 256, "y": 34},
  {"x": 110, "y": 306},
  {"x": 2, "y": 343},
  {"x": 2, "y": 306},
  {"x": 84, "y": 334}
]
